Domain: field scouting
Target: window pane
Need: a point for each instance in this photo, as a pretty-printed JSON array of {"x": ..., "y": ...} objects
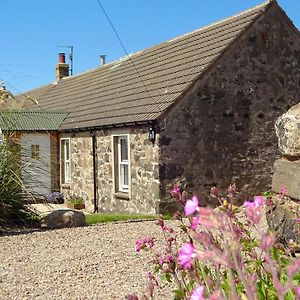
[
  {"x": 124, "y": 149},
  {"x": 67, "y": 150},
  {"x": 67, "y": 171},
  {"x": 125, "y": 175},
  {"x": 65, "y": 161}
]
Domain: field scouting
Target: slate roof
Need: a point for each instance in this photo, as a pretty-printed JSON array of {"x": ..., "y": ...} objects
[
  {"x": 31, "y": 120},
  {"x": 142, "y": 87}
]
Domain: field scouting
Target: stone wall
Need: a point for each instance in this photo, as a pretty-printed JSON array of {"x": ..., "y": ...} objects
[
  {"x": 222, "y": 130},
  {"x": 144, "y": 184},
  {"x": 287, "y": 169},
  {"x": 81, "y": 184},
  {"x": 143, "y": 196}
]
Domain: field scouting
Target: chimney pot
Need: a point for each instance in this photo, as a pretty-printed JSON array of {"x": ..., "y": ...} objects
[
  {"x": 102, "y": 59},
  {"x": 62, "y": 58},
  {"x": 62, "y": 69}
]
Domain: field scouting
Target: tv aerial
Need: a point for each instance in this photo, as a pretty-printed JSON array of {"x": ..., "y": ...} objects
[{"x": 70, "y": 56}]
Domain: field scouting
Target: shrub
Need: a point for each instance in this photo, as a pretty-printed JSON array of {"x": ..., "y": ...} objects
[
  {"x": 225, "y": 254},
  {"x": 76, "y": 200},
  {"x": 13, "y": 207}
]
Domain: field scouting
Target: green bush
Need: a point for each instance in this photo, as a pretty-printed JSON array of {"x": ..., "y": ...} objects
[{"x": 13, "y": 208}]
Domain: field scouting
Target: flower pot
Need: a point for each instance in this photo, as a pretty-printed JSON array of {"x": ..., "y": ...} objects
[{"x": 75, "y": 205}]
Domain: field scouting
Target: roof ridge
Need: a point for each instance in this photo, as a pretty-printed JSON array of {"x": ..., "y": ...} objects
[{"x": 266, "y": 3}]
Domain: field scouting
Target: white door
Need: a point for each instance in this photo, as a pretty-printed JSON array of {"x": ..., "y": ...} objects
[{"x": 36, "y": 167}]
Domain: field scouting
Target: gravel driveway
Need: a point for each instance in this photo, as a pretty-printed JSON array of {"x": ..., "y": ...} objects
[{"x": 94, "y": 262}]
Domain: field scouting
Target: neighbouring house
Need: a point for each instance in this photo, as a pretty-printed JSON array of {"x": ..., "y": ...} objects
[
  {"x": 198, "y": 109},
  {"x": 35, "y": 133}
]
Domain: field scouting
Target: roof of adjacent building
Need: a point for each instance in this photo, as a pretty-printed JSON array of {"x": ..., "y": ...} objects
[
  {"x": 141, "y": 86},
  {"x": 19, "y": 120}
]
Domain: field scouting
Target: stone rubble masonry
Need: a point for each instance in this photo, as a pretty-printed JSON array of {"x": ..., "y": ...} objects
[
  {"x": 222, "y": 129},
  {"x": 287, "y": 129},
  {"x": 287, "y": 169},
  {"x": 287, "y": 174},
  {"x": 81, "y": 184},
  {"x": 144, "y": 176}
]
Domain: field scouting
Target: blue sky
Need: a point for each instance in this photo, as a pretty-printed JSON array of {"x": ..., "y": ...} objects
[{"x": 32, "y": 30}]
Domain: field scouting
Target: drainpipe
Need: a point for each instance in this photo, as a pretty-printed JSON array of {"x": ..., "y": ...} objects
[{"x": 94, "y": 145}]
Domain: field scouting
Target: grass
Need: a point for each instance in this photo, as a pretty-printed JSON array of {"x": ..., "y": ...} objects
[{"x": 102, "y": 218}]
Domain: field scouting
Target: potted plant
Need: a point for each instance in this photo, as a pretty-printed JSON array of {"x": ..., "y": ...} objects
[{"x": 75, "y": 202}]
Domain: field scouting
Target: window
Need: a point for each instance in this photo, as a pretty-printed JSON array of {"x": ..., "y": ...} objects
[
  {"x": 35, "y": 152},
  {"x": 1, "y": 137},
  {"x": 121, "y": 170},
  {"x": 65, "y": 160}
]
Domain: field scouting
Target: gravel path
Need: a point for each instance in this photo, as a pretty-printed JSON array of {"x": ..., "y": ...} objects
[{"x": 94, "y": 262}]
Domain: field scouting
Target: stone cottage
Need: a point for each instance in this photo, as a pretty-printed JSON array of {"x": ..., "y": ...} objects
[{"x": 199, "y": 109}]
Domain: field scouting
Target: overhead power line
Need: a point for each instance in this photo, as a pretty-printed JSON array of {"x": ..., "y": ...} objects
[
  {"x": 124, "y": 49},
  {"x": 113, "y": 27}
]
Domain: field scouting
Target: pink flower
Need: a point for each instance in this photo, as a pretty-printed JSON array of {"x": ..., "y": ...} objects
[
  {"x": 205, "y": 239},
  {"x": 195, "y": 222},
  {"x": 214, "y": 192},
  {"x": 191, "y": 206},
  {"x": 198, "y": 293},
  {"x": 267, "y": 242},
  {"x": 293, "y": 268},
  {"x": 145, "y": 243},
  {"x": 253, "y": 209},
  {"x": 208, "y": 217},
  {"x": 283, "y": 190},
  {"x": 175, "y": 192},
  {"x": 232, "y": 190},
  {"x": 186, "y": 253},
  {"x": 254, "y": 214},
  {"x": 259, "y": 200},
  {"x": 298, "y": 293},
  {"x": 167, "y": 229},
  {"x": 217, "y": 295}
]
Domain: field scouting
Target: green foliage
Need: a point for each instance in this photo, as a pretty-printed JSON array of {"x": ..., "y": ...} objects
[
  {"x": 102, "y": 218},
  {"x": 76, "y": 200},
  {"x": 13, "y": 208},
  {"x": 216, "y": 256},
  {"x": 268, "y": 194}
]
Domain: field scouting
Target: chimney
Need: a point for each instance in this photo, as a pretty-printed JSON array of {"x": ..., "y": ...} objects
[
  {"x": 62, "y": 69},
  {"x": 102, "y": 59}
]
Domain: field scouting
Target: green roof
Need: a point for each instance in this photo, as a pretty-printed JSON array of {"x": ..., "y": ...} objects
[{"x": 31, "y": 120}]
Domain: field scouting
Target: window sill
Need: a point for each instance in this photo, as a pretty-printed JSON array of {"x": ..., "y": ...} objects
[
  {"x": 122, "y": 195},
  {"x": 65, "y": 185}
]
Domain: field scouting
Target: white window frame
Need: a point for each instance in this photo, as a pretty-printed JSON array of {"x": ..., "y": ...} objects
[
  {"x": 118, "y": 179},
  {"x": 1, "y": 137},
  {"x": 66, "y": 175},
  {"x": 122, "y": 164}
]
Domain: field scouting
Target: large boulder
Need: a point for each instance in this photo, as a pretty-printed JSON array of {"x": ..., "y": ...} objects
[
  {"x": 62, "y": 218},
  {"x": 287, "y": 174},
  {"x": 287, "y": 129},
  {"x": 282, "y": 217}
]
